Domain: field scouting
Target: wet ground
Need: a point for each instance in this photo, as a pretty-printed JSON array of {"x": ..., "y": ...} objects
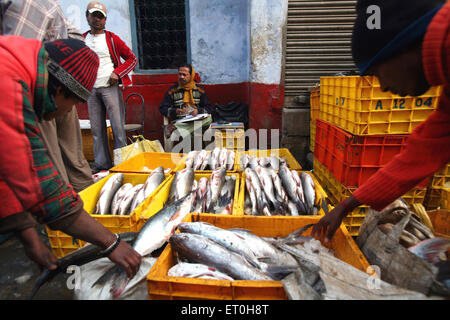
[{"x": 18, "y": 274}]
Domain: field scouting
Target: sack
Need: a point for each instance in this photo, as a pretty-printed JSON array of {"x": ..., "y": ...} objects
[{"x": 139, "y": 145}]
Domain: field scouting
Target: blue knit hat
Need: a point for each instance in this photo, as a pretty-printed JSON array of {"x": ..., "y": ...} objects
[{"x": 403, "y": 23}]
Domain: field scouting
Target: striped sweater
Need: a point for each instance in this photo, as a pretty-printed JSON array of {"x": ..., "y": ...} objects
[{"x": 428, "y": 146}]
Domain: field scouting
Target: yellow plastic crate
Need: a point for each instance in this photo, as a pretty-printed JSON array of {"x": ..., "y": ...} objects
[
  {"x": 162, "y": 287},
  {"x": 312, "y": 136},
  {"x": 445, "y": 199},
  {"x": 321, "y": 195},
  {"x": 282, "y": 153},
  {"x": 357, "y": 105},
  {"x": 338, "y": 192},
  {"x": 63, "y": 244},
  {"x": 232, "y": 139},
  {"x": 315, "y": 103},
  {"x": 160, "y": 199},
  {"x": 145, "y": 161},
  {"x": 441, "y": 222},
  {"x": 441, "y": 177}
]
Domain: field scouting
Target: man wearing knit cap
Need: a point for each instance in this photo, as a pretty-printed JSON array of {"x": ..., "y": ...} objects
[
  {"x": 107, "y": 95},
  {"x": 41, "y": 82},
  {"x": 409, "y": 53}
]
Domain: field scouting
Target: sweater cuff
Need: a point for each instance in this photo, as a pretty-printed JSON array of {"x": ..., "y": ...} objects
[
  {"x": 66, "y": 220},
  {"x": 17, "y": 222}
]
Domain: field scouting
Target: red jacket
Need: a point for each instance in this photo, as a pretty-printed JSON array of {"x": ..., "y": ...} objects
[
  {"x": 428, "y": 146},
  {"x": 118, "y": 49}
]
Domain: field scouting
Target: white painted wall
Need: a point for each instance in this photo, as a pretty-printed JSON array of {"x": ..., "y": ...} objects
[
  {"x": 268, "y": 18},
  {"x": 118, "y": 16}
]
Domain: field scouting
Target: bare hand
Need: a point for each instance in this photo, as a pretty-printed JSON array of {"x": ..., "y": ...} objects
[
  {"x": 126, "y": 257},
  {"x": 114, "y": 78},
  {"x": 182, "y": 111},
  {"x": 325, "y": 229},
  {"x": 194, "y": 112},
  {"x": 36, "y": 250}
]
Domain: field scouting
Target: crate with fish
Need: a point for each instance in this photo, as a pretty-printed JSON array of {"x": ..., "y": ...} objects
[
  {"x": 266, "y": 192},
  {"x": 271, "y": 158},
  {"x": 215, "y": 192},
  {"x": 354, "y": 159},
  {"x": 205, "y": 161},
  {"x": 146, "y": 162},
  {"x": 244, "y": 258},
  {"x": 116, "y": 201},
  {"x": 337, "y": 192},
  {"x": 359, "y": 106}
]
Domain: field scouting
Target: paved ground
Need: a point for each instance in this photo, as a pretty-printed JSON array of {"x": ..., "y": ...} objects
[{"x": 15, "y": 265}]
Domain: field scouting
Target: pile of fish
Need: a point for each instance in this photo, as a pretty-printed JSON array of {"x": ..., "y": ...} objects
[
  {"x": 216, "y": 159},
  {"x": 213, "y": 195},
  {"x": 272, "y": 161},
  {"x": 152, "y": 236},
  {"x": 284, "y": 193},
  {"x": 230, "y": 254},
  {"x": 121, "y": 199}
]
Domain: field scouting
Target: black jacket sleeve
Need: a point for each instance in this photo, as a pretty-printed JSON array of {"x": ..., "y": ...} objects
[{"x": 166, "y": 107}]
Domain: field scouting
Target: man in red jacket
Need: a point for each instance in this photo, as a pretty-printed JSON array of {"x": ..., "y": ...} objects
[
  {"x": 409, "y": 52},
  {"x": 42, "y": 81},
  {"x": 107, "y": 95}
]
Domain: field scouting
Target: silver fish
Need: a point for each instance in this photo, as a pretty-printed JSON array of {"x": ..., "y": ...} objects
[
  {"x": 205, "y": 161},
  {"x": 267, "y": 183},
  {"x": 191, "y": 158},
  {"x": 244, "y": 161},
  {"x": 290, "y": 186},
  {"x": 298, "y": 181},
  {"x": 309, "y": 191},
  {"x": 200, "y": 249},
  {"x": 274, "y": 162},
  {"x": 118, "y": 197},
  {"x": 153, "y": 181},
  {"x": 214, "y": 159},
  {"x": 138, "y": 199},
  {"x": 228, "y": 239},
  {"x": 262, "y": 204},
  {"x": 431, "y": 250},
  {"x": 184, "y": 182},
  {"x": 107, "y": 192},
  {"x": 216, "y": 181},
  {"x": 196, "y": 270},
  {"x": 152, "y": 236},
  {"x": 252, "y": 195},
  {"x": 225, "y": 203},
  {"x": 199, "y": 159},
  {"x": 230, "y": 160},
  {"x": 125, "y": 204}
]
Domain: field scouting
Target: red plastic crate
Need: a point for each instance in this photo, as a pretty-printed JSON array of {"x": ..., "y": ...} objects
[{"x": 354, "y": 159}]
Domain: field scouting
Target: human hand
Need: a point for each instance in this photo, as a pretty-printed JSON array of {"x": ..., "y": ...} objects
[
  {"x": 37, "y": 251},
  {"x": 325, "y": 229},
  {"x": 194, "y": 112},
  {"x": 182, "y": 111},
  {"x": 114, "y": 78},
  {"x": 126, "y": 257}
]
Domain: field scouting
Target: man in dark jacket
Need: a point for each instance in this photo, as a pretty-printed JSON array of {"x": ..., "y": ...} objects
[{"x": 182, "y": 100}]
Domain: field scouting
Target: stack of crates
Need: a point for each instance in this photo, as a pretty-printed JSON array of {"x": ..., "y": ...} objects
[{"x": 358, "y": 130}]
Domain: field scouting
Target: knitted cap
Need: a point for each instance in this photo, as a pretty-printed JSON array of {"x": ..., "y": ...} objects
[
  {"x": 402, "y": 23},
  {"x": 74, "y": 64}
]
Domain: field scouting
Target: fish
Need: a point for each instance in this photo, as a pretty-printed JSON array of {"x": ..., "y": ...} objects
[
  {"x": 266, "y": 180},
  {"x": 262, "y": 204},
  {"x": 230, "y": 160},
  {"x": 197, "y": 270},
  {"x": 152, "y": 236},
  {"x": 290, "y": 186},
  {"x": 205, "y": 161},
  {"x": 107, "y": 193},
  {"x": 223, "y": 157},
  {"x": 280, "y": 192},
  {"x": 298, "y": 181},
  {"x": 125, "y": 204},
  {"x": 78, "y": 257},
  {"x": 190, "y": 159},
  {"x": 173, "y": 188},
  {"x": 201, "y": 194},
  {"x": 214, "y": 159},
  {"x": 309, "y": 191},
  {"x": 201, "y": 156},
  {"x": 244, "y": 161},
  {"x": 200, "y": 249},
  {"x": 252, "y": 195},
  {"x": 225, "y": 203},
  {"x": 183, "y": 183},
  {"x": 431, "y": 250},
  {"x": 153, "y": 181},
  {"x": 138, "y": 199},
  {"x": 216, "y": 182},
  {"x": 118, "y": 197},
  {"x": 274, "y": 162},
  {"x": 230, "y": 240}
]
